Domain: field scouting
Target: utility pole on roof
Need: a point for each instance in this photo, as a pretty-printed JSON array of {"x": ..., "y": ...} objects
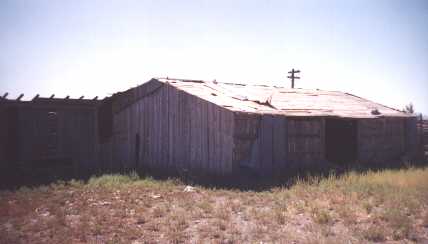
[{"x": 292, "y": 76}]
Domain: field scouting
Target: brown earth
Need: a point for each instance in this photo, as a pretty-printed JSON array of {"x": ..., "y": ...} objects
[{"x": 388, "y": 207}]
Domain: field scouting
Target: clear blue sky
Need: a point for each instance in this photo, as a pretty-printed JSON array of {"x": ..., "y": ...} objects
[{"x": 373, "y": 48}]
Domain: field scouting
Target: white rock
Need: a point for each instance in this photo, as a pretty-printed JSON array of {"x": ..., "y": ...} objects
[{"x": 189, "y": 189}]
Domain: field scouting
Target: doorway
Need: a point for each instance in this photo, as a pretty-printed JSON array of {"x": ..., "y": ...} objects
[{"x": 341, "y": 140}]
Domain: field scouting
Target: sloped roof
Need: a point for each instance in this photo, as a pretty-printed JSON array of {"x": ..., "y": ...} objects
[{"x": 279, "y": 100}]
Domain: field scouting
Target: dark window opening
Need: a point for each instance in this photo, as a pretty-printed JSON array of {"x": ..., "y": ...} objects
[{"x": 341, "y": 140}]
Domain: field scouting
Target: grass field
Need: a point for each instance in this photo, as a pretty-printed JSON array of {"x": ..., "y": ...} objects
[{"x": 387, "y": 206}]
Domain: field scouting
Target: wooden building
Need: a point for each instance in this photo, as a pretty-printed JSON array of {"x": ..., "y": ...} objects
[
  {"x": 48, "y": 133},
  {"x": 223, "y": 129}
]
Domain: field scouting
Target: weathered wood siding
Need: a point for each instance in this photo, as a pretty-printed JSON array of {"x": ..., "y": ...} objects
[
  {"x": 105, "y": 157},
  {"x": 306, "y": 142},
  {"x": 177, "y": 132},
  {"x": 417, "y": 138},
  {"x": 246, "y": 141},
  {"x": 55, "y": 135},
  {"x": 158, "y": 125},
  {"x": 273, "y": 144},
  {"x": 4, "y": 131},
  {"x": 382, "y": 139},
  {"x": 68, "y": 134}
]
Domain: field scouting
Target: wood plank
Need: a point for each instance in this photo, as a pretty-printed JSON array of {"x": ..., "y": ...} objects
[
  {"x": 279, "y": 143},
  {"x": 211, "y": 139},
  {"x": 204, "y": 136},
  {"x": 186, "y": 130},
  {"x": 177, "y": 132},
  {"x": 163, "y": 95},
  {"x": 229, "y": 141},
  {"x": 198, "y": 134},
  {"x": 153, "y": 132},
  {"x": 201, "y": 135},
  {"x": 221, "y": 142},
  {"x": 266, "y": 143},
  {"x": 217, "y": 134},
  {"x": 171, "y": 123},
  {"x": 149, "y": 129},
  {"x": 195, "y": 128},
  {"x": 321, "y": 142},
  {"x": 161, "y": 123},
  {"x": 179, "y": 137},
  {"x": 134, "y": 133}
]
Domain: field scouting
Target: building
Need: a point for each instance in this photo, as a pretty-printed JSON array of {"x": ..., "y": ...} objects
[
  {"x": 222, "y": 128},
  {"x": 49, "y": 134}
]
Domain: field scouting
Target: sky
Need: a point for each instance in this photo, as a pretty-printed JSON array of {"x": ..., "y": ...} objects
[{"x": 376, "y": 49}]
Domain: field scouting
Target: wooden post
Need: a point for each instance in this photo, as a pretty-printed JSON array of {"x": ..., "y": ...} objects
[
  {"x": 20, "y": 96},
  {"x": 292, "y": 76}
]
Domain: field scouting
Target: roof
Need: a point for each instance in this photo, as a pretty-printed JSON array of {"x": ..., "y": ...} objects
[{"x": 265, "y": 99}]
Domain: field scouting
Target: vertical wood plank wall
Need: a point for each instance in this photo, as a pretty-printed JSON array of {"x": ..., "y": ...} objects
[
  {"x": 178, "y": 132},
  {"x": 412, "y": 138},
  {"x": 265, "y": 143},
  {"x": 306, "y": 142},
  {"x": 274, "y": 144},
  {"x": 3, "y": 137},
  {"x": 380, "y": 140},
  {"x": 29, "y": 134},
  {"x": 76, "y": 137},
  {"x": 246, "y": 145}
]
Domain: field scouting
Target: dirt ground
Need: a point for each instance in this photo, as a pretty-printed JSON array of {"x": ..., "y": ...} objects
[{"x": 387, "y": 207}]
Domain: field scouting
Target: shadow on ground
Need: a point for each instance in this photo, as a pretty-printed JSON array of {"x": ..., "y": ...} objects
[{"x": 13, "y": 178}]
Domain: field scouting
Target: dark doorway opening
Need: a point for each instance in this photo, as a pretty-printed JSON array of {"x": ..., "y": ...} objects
[{"x": 341, "y": 140}]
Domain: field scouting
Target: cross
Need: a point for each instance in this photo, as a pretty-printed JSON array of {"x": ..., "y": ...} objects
[{"x": 292, "y": 76}]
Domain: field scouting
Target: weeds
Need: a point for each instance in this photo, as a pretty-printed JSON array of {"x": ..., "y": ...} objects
[
  {"x": 113, "y": 180},
  {"x": 347, "y": 215},
  {"x": 321, "y": 216},
  {"x": 354, "y": 207},
  {"x": 368, "y": 206},
  {"x": 206, "y": 207},
  {"x": 375, "y": 233},
  {"x": 280, "y": 215},
  {"x": 399, "y": 222},
  {"x": 158, "y": 211}
]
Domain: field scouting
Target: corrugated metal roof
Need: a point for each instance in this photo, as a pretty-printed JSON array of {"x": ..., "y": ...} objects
[{"x": 279, "y": 100}]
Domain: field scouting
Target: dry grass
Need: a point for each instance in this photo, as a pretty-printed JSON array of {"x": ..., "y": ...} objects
[
  {"x": 321, "y": 216},
  {"x": 375, "y": 233},
  {"x": 386, "y": 206}
]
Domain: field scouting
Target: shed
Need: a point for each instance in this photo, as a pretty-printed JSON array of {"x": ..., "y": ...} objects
[
  {"x": 224, "y": 128},
  {"x": 52, "y": 135}
]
